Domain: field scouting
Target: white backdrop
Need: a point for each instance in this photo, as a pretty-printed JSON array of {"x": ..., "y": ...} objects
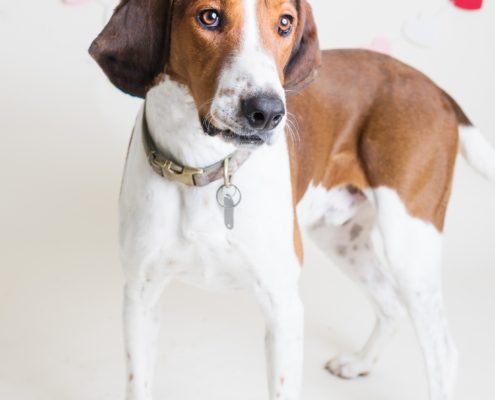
[{"x": 64, "y": 134}]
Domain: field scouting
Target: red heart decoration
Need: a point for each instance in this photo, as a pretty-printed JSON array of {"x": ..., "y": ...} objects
[{"x": 468, "y": 4}]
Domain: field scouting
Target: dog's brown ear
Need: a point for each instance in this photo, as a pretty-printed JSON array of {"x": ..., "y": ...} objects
[
  {"x": 133, "y": 48},
  {"x": 306, "y": 56}
]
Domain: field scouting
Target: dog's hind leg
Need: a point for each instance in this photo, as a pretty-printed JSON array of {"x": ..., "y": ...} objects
[
  {"x": 141, "y": 327},
  {"x": 414, "y": 250},
  {"x": 349, "y": 245}
]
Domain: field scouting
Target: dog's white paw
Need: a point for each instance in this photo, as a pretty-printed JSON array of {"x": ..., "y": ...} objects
[{"x": 349, "y": 366}]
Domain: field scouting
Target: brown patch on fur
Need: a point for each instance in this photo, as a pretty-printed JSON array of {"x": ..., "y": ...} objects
[
  {"x": 280, "y": 47},
  {"x": 342, "y": 250},
  {"x": 226, "y": 92},
  {"x": 355, "y": 232},
  {"x": 298, "y": 244},
  {"x": 370, "y": 121},
  {"x": 197, "y": 55}
]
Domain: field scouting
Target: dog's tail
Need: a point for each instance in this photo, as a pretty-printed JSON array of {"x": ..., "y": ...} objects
[{"x": 474, "y": 147}]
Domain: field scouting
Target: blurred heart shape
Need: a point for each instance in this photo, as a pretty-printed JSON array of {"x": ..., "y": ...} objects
[
  {"x": 380, "y": 45},
  {"x": 468, "y": 4}
]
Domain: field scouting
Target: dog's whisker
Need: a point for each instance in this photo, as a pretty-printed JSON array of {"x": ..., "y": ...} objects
[
  {"x": 292, "y": 129},
  {"x": 206, "y": 103},
  {"x": 290, "y": 132},
  {"x": 293, "y": 120}
]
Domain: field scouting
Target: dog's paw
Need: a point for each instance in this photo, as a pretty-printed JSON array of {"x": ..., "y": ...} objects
[{"x": 349, "y": 367}]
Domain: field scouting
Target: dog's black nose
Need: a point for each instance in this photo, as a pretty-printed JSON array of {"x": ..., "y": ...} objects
[{"x": 263, "y": 112}]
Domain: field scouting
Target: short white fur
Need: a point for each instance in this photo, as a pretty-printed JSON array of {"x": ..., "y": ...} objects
[
  {"x": 404, "y": 275},
  {"x": 477, "y": 151}
]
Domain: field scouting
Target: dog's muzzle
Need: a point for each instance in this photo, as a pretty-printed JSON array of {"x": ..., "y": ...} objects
[{"x": 261, "y": 114}]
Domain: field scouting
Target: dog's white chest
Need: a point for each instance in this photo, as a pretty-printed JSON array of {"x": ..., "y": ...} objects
[
  {"x": 179, "y": 231},
  {"x": 204, "y": 252}
]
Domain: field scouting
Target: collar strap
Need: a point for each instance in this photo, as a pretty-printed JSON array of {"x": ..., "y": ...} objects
[{"x": 186, "y": 175}]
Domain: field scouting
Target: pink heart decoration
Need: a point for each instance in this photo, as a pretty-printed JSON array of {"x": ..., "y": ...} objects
[
  {"x": 380, "y": 45},
  {"x": 468, "y": 4}
]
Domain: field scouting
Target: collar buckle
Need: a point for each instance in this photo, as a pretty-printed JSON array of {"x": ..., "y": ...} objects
[
  {"x": 182, "y": 174},
  {"x": 170, "y": 170}
]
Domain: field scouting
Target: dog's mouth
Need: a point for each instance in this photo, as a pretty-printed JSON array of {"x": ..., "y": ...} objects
[{"x": 251, "y": 139}]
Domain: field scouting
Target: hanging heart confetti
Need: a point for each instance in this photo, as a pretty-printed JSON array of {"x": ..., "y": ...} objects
[{"x": 468, "y": 4}]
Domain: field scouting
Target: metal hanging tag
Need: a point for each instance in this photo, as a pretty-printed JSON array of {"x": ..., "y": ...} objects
[
  {"x": 228, "y": 197},
  {"x": 229, "y": 212}
]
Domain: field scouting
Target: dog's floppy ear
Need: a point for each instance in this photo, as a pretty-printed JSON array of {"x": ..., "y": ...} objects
[
  {"x": 306, "y": 56},
  {"x": 133, "y": 48}
]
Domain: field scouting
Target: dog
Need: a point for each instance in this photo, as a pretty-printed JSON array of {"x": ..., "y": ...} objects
[{"x": 249, "y": 134}]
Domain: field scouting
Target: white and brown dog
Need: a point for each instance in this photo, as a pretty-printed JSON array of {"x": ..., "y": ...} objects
[{"x": 369, "y": 146}]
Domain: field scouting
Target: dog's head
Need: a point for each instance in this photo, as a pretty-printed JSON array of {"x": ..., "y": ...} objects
[{"x": 236, "y": 57}]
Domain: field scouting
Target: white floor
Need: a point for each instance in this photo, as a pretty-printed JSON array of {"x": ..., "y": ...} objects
[
  {"x": 60, "y": 334},
  {"x": 63, "y": 139}
]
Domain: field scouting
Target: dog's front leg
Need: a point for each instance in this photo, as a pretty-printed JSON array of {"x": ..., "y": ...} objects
[
  {"x": 141, "y": 326},
  {"x": 283, "y": 312}
]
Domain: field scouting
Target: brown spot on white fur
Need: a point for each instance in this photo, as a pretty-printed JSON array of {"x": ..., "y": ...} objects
[
  {"x": 342, "y": 250},
  {"x": 404, "y": 138},
  {"x": 355, "y": 232}
]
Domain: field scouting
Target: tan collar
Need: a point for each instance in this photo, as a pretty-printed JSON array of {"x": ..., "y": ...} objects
[{"x": 186, "y": 175}]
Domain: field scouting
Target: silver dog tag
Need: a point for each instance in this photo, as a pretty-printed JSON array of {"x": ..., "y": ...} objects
[
  {"x": 229, "y": 197},
  {"x": 228, "y": 211}
]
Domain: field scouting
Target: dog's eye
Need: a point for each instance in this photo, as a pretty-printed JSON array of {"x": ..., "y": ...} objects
[
  {"x": 209, "y": 19},
  {"x": 285, "y": 25}
]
